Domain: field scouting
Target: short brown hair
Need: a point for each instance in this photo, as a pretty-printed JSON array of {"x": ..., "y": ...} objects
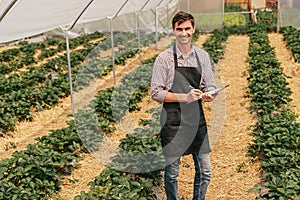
[{"x": 181, "y": 17}]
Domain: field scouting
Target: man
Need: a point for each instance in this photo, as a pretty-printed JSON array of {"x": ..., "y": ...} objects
[{"x": 181, "y": 76}]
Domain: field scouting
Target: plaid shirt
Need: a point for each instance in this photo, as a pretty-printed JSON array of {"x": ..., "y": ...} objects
[{"x": 164, "y": 68}]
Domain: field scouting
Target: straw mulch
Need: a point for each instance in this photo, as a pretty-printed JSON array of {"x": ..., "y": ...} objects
[{"x": 290, "y": 68}]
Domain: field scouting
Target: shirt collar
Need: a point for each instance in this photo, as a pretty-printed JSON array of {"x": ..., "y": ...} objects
[{"x": 179, "y": 54}]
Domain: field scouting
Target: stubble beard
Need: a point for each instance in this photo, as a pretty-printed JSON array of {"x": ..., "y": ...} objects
[{"x": 184, "y": 40}]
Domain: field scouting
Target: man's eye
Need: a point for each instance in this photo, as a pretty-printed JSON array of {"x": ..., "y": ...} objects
[{"x": 180, "y": 29}]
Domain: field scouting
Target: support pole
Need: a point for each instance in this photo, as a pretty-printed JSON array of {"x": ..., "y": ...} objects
[
  {"x": 66, "y": 32},
  {"x": 138, "y": 35},
  {"x": 156, "y": 23},
  {"x": 138, "y": 29},
  {"x": 156, "y": 29},
  {"x": 69, "y": 69},
  {"x": 188, "y": 5},
  {"x": 168, "y": 16},
  {"x": 112, "y": 38},
  {"x": 223, "y": 12},
  {"x": 112, "y": 48},
  {"x": 278, "y": 16}
]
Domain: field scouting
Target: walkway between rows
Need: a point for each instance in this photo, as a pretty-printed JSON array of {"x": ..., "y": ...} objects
[
  {"x": 290, "y": 68},
  {"x": 233, "y": 172}
]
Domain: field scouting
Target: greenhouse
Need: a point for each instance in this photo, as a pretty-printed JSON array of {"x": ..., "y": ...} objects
[{"x": 78, "y": 121}]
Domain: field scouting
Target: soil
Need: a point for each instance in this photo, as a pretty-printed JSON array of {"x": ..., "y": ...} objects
[{"x": 229, "y": 121}]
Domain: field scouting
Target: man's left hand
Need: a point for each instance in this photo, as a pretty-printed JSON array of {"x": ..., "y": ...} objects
[{"x": 207, "y": 97}]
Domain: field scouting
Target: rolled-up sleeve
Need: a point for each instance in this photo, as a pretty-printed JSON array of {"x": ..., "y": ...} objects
[
  {"x": 159, "y": 87},
  {"x": 207, "y": 81}
]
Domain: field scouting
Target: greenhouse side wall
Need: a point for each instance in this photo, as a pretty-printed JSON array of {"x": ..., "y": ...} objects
[
  {"x": 208, "y": 14},
  {"x": 289, "y": 13}
]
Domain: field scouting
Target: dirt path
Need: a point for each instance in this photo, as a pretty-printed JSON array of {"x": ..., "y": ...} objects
[
  {"x": 290, "y": 68},
  {"x": 233, "y": 172}
]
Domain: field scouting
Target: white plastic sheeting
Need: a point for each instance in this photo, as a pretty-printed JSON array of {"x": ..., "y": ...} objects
[
  {"x": 128, "y": 22},
  {"x": 31, "y": 17},
  {"x": 288, "y": 13},
  {"x": 209, "y": 15}
]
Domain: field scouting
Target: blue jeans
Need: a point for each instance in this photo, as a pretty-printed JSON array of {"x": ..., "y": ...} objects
[{"x": 201, "y": 179}]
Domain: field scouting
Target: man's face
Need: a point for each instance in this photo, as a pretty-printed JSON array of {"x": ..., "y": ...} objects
[{"x": 184, "y": 32}]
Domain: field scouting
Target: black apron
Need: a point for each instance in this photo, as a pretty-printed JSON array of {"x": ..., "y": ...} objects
[{"x": 184, "y": 129}]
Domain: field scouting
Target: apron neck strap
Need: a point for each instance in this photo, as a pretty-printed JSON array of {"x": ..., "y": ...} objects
[{"x": 176, "y": 61}]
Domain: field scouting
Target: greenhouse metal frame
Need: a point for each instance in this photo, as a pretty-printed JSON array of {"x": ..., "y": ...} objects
[{"x": 21, "y": 19}]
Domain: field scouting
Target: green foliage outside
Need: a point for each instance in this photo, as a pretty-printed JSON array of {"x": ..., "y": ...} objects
[{"x": 231, "y": 18}]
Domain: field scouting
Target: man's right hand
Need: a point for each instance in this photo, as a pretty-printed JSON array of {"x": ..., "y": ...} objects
[{"x": 194, "y": 95}]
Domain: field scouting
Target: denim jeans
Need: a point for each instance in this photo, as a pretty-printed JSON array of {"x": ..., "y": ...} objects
[{"x": 201, "y": 179}]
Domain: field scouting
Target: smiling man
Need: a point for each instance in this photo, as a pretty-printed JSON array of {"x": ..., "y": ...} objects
[{"x": 181, "y": 74}]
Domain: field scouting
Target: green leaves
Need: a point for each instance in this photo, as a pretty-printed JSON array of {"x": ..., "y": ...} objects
[
  {"x": 111, "y": 184},
  {"x": 141, "y": 152},
  {"x": 276, "y": 132},
  {"x": 215, "y": 44},
  {"x": 292, "y": 38}
]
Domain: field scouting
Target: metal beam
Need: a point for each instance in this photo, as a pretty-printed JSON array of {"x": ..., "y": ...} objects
[
  {"x": 76, "y": 20},
  {"x": 7, "y": 9},
  {"x": 117, "y": 13}
]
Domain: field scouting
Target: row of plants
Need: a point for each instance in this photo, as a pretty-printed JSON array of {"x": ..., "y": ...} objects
[
  {"x": 37, "y": 172},
  {"x": 292, "y": 38},
  {"x": 276, "y": 132},
  {"x": 53, "y": 46},
  {"x": 35, "y": 75},
  {"x": 135, "y": 168},
  {"x": 24, "y": 55},
  {"x": 215, "y": 44},
  {"x": 23, "y": 101},
  {"x": 111, "y": 104}
]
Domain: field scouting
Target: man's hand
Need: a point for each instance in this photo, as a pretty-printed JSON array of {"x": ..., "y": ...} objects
[
  {"x": 207, "y": 97},
  {"x": 194, "y": 95}
]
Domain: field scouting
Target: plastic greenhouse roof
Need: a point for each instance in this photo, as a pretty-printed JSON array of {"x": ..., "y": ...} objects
[{"x": 25, "y": 18}]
